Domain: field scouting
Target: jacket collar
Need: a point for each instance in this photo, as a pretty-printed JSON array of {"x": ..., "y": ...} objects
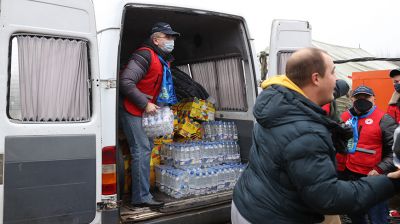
[{"x": 282, "y": 80}]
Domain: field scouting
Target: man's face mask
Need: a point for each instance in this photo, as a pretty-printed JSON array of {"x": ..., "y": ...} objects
[
  {"x": 363, "y": 105},
  {"x": 167, "y": 46},
  {"x": 397, "y": 87}
]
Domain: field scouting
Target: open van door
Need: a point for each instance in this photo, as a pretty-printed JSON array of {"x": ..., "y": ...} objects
[
  {"x": 50, "y": 154},
  {"x": 286, "y": 37}
]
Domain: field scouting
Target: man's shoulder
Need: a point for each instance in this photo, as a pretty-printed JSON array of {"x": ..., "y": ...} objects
[
  {"x": 141, "y": 55},
  {"x": 143, "y": 52}
]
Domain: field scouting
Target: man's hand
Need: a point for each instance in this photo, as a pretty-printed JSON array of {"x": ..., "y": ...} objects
[
  {"x": 373, "y": 173},
  {"x": 394, "y": 175},
  {"x": 151, "y": 108}
]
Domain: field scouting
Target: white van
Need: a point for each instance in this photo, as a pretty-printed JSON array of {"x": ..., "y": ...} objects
[
  {"x": 287, "y": 36},
  {"x": 59, "y": 76}
]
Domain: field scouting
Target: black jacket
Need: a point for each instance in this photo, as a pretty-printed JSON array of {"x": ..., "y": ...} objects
[{"x": 291, "y": 176}]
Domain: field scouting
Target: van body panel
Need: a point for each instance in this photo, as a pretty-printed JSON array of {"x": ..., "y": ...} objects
[
  {"x": 108, "y": 60},
  {"x": 52, "y": 171},
  {"x": 282, "y": 40},
  {"x": 59, "y": 174}
]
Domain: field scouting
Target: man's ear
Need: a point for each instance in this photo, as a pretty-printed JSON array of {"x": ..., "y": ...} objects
[
  {"x": 315, "y": 78},
  {"x": 155, "y": 41}
]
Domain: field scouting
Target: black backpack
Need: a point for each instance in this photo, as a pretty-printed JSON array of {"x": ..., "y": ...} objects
[{"x": 186, "y": 87}]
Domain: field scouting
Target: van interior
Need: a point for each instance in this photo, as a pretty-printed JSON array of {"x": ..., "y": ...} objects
[{"x": 214, "y": 50}]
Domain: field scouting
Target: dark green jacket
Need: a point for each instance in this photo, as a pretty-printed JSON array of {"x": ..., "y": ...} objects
[{"x": 291, "y": 176}]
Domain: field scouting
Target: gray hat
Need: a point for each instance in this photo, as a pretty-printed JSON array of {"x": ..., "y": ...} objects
[{"x": 364, "y": 90}]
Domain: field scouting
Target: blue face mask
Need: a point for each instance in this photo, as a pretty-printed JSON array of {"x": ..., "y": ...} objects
[
  {"x": 397, "y": 87},
  {"x": 168, "y": 46}
]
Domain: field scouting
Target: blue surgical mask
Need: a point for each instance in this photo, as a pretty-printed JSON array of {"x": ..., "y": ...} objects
[
  {"x": 397, "y": 87},
  {"x": 168, "y": 46}
]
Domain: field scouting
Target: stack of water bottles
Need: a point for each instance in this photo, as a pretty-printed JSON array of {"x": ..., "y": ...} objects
[
  {"x": 194, "y": 168},
  {"x": 180, "y": 183},
  {"x": 200, "y": 153},
  {"x": 220, "y": 131},
  {"x": 158, "y": 124}
]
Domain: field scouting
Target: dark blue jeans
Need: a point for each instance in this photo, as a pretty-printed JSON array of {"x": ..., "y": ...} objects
[
  {"x": 140, "y": 147},
  {"x": 378, "y": 214}
]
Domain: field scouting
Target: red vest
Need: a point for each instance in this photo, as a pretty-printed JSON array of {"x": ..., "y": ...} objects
[
  {"x": 150, "y": 84},
  {"x": 370, "y": 138},
  {"x": 394, "y": 111}
]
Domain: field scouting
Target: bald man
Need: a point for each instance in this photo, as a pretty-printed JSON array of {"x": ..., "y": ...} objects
[{"x": 291, "y": 176}]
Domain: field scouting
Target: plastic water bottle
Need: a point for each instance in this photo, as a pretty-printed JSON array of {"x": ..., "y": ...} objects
[
  {"x": 221, "y": 181},
  {"x": 197, "y": 153},
  {"x": 209, "y": 181},
  {"x": 237, "y": 152},
  {"x": 230, "y": 130},
  {"x": 163, "y": 179},
  {"x": 191, "y": 182},
  {"x": 213, "y": 130},
  {"x": 197, "y": 183},
  {"x": 235, "y": 132},
  {"x": 214, "y": 181},
  {"x": 224, "y": 130}
]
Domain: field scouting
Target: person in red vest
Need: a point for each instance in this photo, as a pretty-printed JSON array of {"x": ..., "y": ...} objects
[
  {"x": 370, "y": 150},
  {"x": 394, "y": 103},
  {"x": 140, "y": 84}
]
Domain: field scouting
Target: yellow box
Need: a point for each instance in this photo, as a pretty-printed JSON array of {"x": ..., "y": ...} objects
[
  {"x": 164, "y": 139},
  {"x": 196, "y": 108},
  {"x": 154, "y": 160},
  {"x": 187, "y": 127}
]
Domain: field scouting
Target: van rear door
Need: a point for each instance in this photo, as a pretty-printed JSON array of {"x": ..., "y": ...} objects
[
  {"x": 286, "y": 37},
  {"x": 50, "y": 141}
]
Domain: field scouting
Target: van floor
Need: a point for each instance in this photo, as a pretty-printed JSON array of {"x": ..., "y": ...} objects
[{"x": 172, "y": 205}]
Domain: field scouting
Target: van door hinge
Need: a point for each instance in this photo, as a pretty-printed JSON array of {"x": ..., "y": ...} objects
[{"x": 108, "y": 83}]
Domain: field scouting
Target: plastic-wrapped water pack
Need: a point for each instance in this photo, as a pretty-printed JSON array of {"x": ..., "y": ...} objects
[{"x": 159, "y": 124}]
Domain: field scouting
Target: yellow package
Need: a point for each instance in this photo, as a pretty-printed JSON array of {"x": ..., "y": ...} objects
[
  {"x": 164, "y": 139},
  {"x": 187, "y": 127},
  {"x": 154, "y": 160},
  {"x": 127, "y": 174}
]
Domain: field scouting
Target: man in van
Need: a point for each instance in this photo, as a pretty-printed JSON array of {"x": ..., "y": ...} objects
[
  {"x": 291, "y": 176},
  {"x": 394, "y": 103},
  {"x": 371, "y": 152},
  {"x": 140, "y": 83}
]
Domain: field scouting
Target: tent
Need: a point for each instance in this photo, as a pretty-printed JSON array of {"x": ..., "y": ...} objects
[{"x": 344, "y": 71}]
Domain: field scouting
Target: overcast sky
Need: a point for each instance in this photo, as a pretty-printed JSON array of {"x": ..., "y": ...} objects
[{"x": 371, "y": 24}]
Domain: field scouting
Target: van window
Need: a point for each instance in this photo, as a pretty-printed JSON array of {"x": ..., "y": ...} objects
[
  {"x": 223, "y": 79},
  {"x": 282, "y": 60},
  {"x": 48, "y": 80}
]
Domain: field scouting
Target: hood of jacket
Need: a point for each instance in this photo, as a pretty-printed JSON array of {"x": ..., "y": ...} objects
[{"x": 282, "y": 102}]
